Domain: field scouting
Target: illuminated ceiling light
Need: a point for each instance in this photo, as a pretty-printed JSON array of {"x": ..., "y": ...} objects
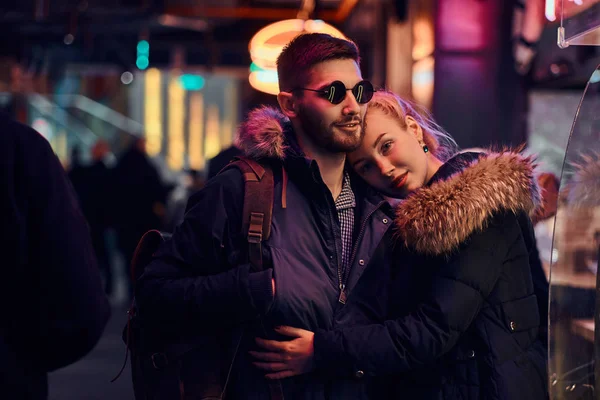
[
  {"x": 142, "y": 62},
  {"x": 423, "y": 38},
  {"x": 196, "y": 126},
  {"x": 212, "y": 142},
  {"x": 254, "y": 67},
  {"x": 143, "y": 55},
  {"x": 126, "y": 78},
  {"x": 153, "y": 119},
  {"x": 264, "y": 81},
  {"x": 551, "y": 10},
  {"x": 267, "y": 76},
  {"x": 176, "y": 147},
  {"x": 266, "y": 45},
  {"x": 143, "y": 46},
  {"x": 191, "y": 81},
  {"x": 230, "y": 115},
  {"x": 423, "y": 81}
]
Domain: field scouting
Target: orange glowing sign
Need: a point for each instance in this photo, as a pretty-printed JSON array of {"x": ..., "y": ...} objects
[{"x": 267, "y": 43}]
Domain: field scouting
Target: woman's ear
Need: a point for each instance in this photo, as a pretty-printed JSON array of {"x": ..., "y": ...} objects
[
  {"x": 287, "y": 103},
  {"x": 413, "y": 127}
]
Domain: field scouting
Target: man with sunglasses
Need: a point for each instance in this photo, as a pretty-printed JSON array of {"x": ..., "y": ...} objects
[{"x": 330, "y": 237}]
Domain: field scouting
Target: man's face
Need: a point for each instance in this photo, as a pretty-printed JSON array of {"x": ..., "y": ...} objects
[{"x": 336, "y": 128}]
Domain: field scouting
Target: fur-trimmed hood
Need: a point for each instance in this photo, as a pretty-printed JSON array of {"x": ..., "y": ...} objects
[
  {"x": 436, "y": 219},
  {"x": 263, "y": 134}
]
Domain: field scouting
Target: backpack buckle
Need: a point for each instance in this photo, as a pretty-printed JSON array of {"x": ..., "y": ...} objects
[
  {"x": 254, "y": 237},
  {"x": 159, "y": 360}
]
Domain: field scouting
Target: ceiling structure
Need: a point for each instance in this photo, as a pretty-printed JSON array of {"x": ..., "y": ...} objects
[{"x": 210, "y": 32}]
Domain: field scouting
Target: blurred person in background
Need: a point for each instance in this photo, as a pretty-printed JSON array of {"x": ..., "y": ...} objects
[
  {"x": 193, "y": 181},
  {"x": 54, "y": 309},
  {"x": 549, "y": 184},
  {"x": 91, "y": 183},
  {"x": 139, "y": 198},
  {"x": 218, "y": 162}
]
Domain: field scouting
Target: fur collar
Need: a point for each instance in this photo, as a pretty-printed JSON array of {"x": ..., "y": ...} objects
[
  {"x": 436, "y": 219},
  {"x": 263, "y": 135}
]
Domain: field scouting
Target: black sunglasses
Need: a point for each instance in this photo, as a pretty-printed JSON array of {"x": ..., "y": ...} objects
[{"x": 335, "y": 92}]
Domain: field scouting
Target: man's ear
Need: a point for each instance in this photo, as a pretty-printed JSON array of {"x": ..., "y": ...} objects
[
  {"x": 413, "y": 127},
  {"x": 288, "y": 104}
]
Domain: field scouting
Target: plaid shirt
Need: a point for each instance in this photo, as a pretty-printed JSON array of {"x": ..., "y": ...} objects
[{"x": 345, "y": 204}]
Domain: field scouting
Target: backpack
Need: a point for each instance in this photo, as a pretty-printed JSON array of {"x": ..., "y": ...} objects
[{"x": 155, "y": 367}]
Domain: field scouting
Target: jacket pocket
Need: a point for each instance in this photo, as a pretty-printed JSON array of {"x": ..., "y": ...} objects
[
  {"x": 522, "y": 319},
  {"x": 462, "y": 367}
]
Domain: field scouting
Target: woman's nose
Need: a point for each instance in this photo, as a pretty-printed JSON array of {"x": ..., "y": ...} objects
[{"x": 385, "y": 168}]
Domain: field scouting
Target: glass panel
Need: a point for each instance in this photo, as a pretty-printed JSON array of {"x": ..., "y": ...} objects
[
  {"x": 579, "y": 21},
  {"x": 574, "y": 303}
]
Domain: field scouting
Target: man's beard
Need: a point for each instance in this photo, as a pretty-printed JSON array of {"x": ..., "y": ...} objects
[{"x": 326, "y": 136}]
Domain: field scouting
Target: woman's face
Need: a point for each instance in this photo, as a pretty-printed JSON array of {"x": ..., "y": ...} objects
[{"x": 391, "y": 158}]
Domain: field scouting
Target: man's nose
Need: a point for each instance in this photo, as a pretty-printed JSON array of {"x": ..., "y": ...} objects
[{"x": 351, "y": 106}]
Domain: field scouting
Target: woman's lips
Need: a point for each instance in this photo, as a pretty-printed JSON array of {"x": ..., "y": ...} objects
[{"x": 399, "y": 181}]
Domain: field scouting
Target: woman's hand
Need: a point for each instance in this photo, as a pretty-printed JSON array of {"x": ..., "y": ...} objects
[{"x": 285, "y": 359}]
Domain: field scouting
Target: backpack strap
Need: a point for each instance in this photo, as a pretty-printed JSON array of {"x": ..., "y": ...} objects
[
  {"x": 258, "y": 206},
  {"x": 256, "y": 224},
  {"x": 144, "y": 251}
]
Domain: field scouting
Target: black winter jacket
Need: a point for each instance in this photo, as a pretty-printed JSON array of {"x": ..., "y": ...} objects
[
  {"x": 464, "y": 314},
  {"x": 200, "y": 282}
]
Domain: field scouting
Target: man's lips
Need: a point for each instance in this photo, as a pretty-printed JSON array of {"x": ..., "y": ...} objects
[{"x": 348, "y": 124}]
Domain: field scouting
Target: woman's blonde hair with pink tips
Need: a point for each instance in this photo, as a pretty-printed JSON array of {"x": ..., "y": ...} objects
[{"x": 439, "y": 142}]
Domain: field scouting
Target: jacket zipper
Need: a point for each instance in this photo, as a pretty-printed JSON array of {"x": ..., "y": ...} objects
[{"x": 343, "y": 276}]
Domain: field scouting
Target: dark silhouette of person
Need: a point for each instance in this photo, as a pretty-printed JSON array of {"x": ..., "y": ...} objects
[
  {"x": 91, "y": 183},
  {"x": 139, "y": 199},
  {"x": 52, "y": 303},
  {"x": 218, "y": 162}
]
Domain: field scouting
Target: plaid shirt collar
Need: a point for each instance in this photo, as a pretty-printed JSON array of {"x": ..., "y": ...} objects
[{"x": 346, "y": 198}]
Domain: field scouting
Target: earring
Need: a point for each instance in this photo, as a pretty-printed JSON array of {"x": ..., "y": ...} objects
[{"x": 425, "y": 149}]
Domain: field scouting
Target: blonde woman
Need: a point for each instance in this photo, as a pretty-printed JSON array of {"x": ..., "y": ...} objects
[{"x": 464, "y": 320}]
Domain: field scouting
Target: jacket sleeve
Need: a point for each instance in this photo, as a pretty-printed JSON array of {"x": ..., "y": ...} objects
[
  {"x": 74, "y": 307},
  {"x": 540, "y": 282},
  {"x": 198, "y": 274},
  {"x": 456, "y": 295}
]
